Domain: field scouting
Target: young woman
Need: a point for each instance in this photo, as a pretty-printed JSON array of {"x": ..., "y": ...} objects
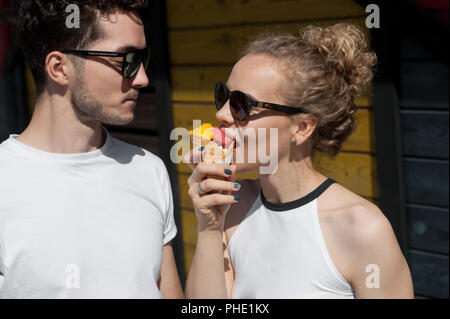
[{"x": 293, "y": 233}]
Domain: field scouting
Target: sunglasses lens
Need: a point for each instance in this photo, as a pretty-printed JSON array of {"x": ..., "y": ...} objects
[
  {"x": 239, "y": 105},
  {"x": 132, "y": 64},
  {"x": 220, "y": 95},
  {"x": 146, "y": 58}
]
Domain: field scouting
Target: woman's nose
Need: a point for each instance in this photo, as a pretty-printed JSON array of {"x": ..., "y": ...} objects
[{"x": 223, "y": 116}]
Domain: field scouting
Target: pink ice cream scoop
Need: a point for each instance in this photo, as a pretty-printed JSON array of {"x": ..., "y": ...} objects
[{"x": 220, "y": 138}]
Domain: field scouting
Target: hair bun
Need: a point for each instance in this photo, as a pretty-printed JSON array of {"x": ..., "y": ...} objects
[{"x": 345, "y": 50}]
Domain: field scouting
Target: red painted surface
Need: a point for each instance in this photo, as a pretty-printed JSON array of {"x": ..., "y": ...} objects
[
  {"x": 433, "y": 4},
  {"x": 5, "y": 35},
  {"x": 437, "y": 7}
]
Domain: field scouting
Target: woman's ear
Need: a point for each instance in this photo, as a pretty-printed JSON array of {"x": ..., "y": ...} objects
[
  {"x": 56, "y": 65},
  {"x": 304, "y": 127}
]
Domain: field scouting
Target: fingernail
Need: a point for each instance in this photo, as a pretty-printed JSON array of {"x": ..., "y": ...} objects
[
  {"x": 228, "y": 172},
  {"x": 237, "y": 197},
  {"x": 237, "y": 185},
  {"x": 201, "y": 149}
]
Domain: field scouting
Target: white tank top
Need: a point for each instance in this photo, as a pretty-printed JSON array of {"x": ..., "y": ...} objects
[{"x": 278, "y": 251}]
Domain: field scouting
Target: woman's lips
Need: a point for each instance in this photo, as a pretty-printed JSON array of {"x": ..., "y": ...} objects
[{"x": 221, "y": 138}]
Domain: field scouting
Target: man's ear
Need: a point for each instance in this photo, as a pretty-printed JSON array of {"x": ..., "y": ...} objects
[
  {"x": 57, "y": 67},
  {"x": 304, "y": 127}
]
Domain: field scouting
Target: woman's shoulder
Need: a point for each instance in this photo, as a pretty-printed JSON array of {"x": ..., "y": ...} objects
[
  {"x": 353, "y": 219},
  {"x": 348, "y": 210},
  {"x": 360, "y": 235},
  {"x": 341, "y": 202}
]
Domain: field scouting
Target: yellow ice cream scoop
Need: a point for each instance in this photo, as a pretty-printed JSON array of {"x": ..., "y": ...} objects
[{"x": 204, "y": 133}]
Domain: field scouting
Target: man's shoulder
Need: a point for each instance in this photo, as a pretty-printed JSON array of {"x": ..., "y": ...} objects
[
  {"x": 126, "y": 152},
  {"x": 6, "y": 154}
]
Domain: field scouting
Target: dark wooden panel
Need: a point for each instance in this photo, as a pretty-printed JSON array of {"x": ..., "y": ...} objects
[
  {"x": 145, "y": 114},
  {"x": 411, "y": 49},
  {"x": 195, "y": 13},
  {"x": 442, "y": 15},
  {"x": 148, "y": 142},
  {"x": 428, "y": 228},
  {"x": 426, "y": 181},
  {"x": 429, "y": 273},
  {"x": 424, "y": 85},
  {"x": 425, "y": 134}
]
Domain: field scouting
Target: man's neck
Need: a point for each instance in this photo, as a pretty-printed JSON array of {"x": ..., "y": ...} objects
[{"x": 55, "y": 128}]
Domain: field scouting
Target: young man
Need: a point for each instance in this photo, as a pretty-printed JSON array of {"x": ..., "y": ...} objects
[{"x": 82, "y": 214}]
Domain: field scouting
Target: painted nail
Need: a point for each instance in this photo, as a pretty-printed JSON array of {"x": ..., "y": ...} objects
[
  {"x": 237, "y": 185},
  {"x": 201, "y": 149},
  {"x": 228, "y": 172},
  {"x": 237, "y": 197},
  {"x": 293, "y": 143}
]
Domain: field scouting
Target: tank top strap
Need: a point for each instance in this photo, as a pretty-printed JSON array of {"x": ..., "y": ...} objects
[{"x": 298, "y": 202}]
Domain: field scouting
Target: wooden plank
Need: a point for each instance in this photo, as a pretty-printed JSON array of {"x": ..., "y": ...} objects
[
  {"x": 223, "y": 45},
  {"x": 148, "y": 142},
  {"x": 189, "y": 224},
  {"x": 428, "y": 228},
  {"x": 429, "y": 273},
  {"x": 145, "y": 114},
  {"x": 362, "y": 139},
  {"x": 424, "y": 85},
  {"x": 426, "y": 182},
  {"x": 189, "y": 251},
  {"x": 194, "y": 13},
  {"x": 355, "y": 171},
  {"x": 154, "y": 17},
  {"x": 185, "y": 200},
  {"x": 185, "y": 113},
  {"x": 196, "y": 84},
  {"x": 425, "y": 134}
]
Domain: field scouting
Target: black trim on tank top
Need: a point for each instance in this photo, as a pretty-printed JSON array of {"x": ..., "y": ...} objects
[{"x": 298, "y": 202}]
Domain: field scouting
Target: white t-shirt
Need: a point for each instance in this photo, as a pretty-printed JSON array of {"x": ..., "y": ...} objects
[{"x": 88, "y": 225}]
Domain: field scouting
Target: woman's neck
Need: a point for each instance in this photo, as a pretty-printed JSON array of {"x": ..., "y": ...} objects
[{"x": 291, "y": 181}]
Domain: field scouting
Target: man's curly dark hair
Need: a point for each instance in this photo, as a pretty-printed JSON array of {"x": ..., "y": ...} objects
[{"x": 42, "y": 28}]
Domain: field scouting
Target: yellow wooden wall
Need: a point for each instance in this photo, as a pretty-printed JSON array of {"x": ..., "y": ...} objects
[{"x": 205, "y": 38}]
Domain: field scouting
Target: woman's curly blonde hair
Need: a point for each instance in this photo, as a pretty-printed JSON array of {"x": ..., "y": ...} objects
[{"x": 324, "y": 68}]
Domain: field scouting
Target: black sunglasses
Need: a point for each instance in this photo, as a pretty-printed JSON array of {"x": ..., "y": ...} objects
[
  {"x": 131, "y": 60},
  {"x": 241, "y": 103}
]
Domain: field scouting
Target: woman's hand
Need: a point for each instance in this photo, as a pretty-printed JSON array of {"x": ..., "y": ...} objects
[{"x": 210, "y": 189}]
